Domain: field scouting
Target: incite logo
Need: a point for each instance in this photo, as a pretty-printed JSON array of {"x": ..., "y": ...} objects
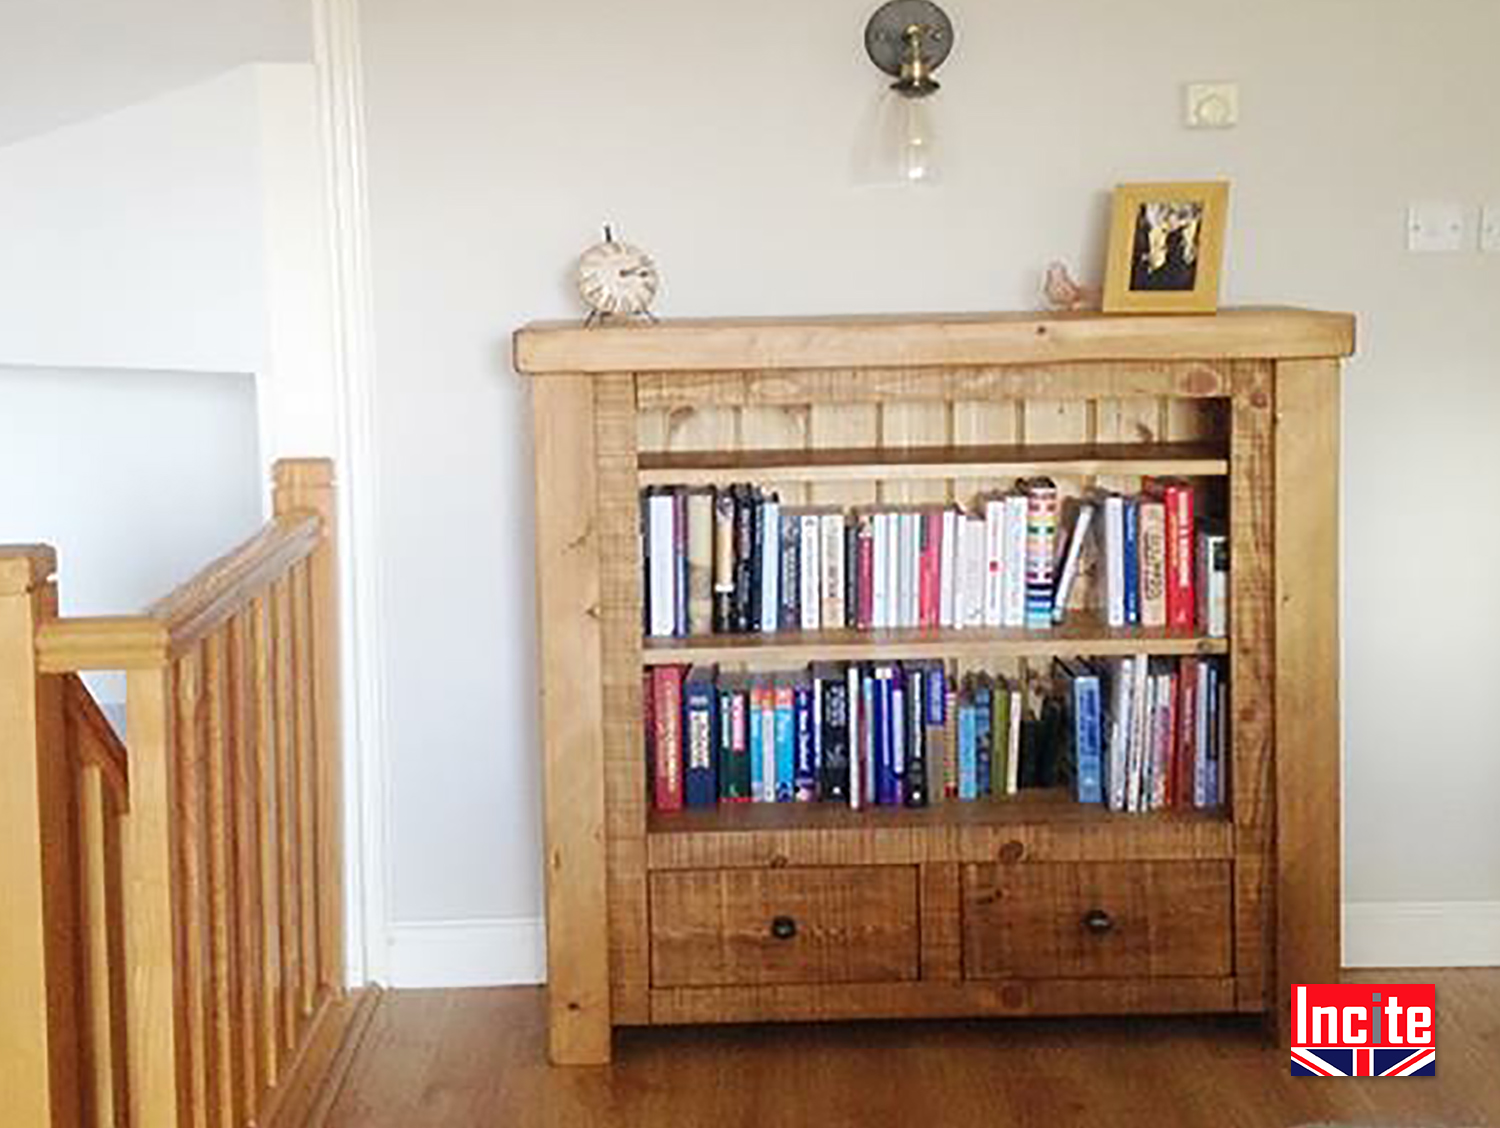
[{"x": 1363, "y": 1030}]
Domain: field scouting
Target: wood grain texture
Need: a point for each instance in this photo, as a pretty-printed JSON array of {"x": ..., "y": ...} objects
[
  {"x": 942, "y": 915},
  {"x": 438, "y": 1059},
  {"x": 1159, "y": 919},
  {"x": 954, "y": 340},
  {"x": 1252, "y": 681},
  {"x": 568, "y": 609},
  {"x": 41, "y": 966},
  {"x": 826, "y": 925},
  {"x": 1307, "y": 676},
  {"x": 615, "y": 427}
]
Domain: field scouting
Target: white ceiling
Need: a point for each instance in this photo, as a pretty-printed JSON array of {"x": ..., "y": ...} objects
[{"x": 62, "y": 61}]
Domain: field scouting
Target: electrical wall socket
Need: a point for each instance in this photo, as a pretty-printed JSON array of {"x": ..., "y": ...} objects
[
  {"x": 1435, "y": 227},
  {"x": 1211, "y": 105},
  {"x": 1489, "y": 229}
]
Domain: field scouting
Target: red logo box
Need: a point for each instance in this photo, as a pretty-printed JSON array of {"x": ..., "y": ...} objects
[{"x": 1364, "y": 1030}]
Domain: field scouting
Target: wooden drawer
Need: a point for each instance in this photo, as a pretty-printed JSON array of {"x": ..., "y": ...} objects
[
  {"x": 837, "y": 925},
  {"x": 1092, "y": 919}
]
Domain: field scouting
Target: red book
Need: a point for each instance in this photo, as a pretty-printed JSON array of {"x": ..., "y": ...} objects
[
  {"x": 648, "y": 716},
  {"x": 667, "y": 713},
  {"x": 864, "y": 554},
  {"x": 1182, "y": 601},
  {"x": 932, "y": 562},
  {"x": 1187, "y": 732}
]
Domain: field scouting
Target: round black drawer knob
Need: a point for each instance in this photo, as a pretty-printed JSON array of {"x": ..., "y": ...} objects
[
  {"x": 783, "y": 927},
  {"x": 1098, "y": 922}
]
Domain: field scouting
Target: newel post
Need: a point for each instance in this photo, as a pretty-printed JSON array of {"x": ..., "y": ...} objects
[
  {"x": 307, "y": 485},
  {"x": 39, "y": 941}
]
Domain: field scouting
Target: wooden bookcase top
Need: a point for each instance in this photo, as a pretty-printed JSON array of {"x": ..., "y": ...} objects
[{"x": 896, "y": 340}]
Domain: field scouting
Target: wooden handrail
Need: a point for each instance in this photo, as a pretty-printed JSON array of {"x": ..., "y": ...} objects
[
  {"x": 97, "y": 742},
  {"x": 189, "y": 614}
]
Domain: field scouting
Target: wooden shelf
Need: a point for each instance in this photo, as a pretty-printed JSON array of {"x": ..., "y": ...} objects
[
  {"x": 1083, "y": 636},
  {"x": 854, "y": 464},
  {"x": 1041, "y": 806}
]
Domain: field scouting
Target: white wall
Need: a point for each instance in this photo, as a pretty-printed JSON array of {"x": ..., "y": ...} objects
[{"x": 502, "y": 135}]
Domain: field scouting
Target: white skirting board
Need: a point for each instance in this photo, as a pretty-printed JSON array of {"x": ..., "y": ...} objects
[
  {"x": 467, "y": 953},
  {"x": 1422, "y": 934}
]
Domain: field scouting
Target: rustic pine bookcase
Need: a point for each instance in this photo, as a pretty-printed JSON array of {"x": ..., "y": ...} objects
[{"x": 958, "y": 909}]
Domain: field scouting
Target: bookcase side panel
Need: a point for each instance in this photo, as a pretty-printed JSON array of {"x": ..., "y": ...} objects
[
  {"x": 1307, "y": 674},
  {"x": 1251, "y": 682},
  {"x": 616, "y": 430},
  {"x": 568, "y": 592}
]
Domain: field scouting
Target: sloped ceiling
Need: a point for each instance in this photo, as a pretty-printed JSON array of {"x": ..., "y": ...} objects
[{"x": 63, "y": 61}]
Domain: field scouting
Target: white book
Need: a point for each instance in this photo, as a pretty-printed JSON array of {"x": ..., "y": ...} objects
[
  {"x": 1213, "y": 584},
  {"x": 971, "y": 572},
  {"x": 880, "y": 584},
  {"x": 856, "y": 750},
  {"x": 1013, "y": 746},
  {"x": 994, "y": 562},
  {"x": 770, "y": 567},
  {"x": 1069, "y": 576},
  {"x": 833, "y": 569},
  {"x": 1119, "y": 732},
  {"x": 911, "y": 567},
  {"x": 893, "y": 570},
  {"x": 902, "y": 525},
  {"x": 1013, "y": 569},
  {"x": 1114, "y": 561},
  {"x": 1145, "y": 702},
  {"x": 661, "y": 521},
  {"x": 947, "y": 565},
  {"x": 811, "y": 567}
]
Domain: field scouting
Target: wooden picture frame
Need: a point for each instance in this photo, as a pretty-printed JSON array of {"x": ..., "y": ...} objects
[{"x": 1166, "y": 247}]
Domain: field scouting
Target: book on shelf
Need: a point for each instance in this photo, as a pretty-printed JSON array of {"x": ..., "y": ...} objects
[
  {"x": 736, "y": 560},
  {"x": 1133, "y": 734}
]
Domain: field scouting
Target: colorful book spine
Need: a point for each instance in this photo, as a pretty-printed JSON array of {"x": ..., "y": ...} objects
[
  {"x": 758, "y": 708},
  {"x": 1213, "y": 584},
  {"x": 900, "y": 736},
  {"x": 723, "y": 608},
  {"x": 804, "y": 736},
  {"x": 1088, "y": 754},
  {"x": 1181, "y": 596},
  {"x": 968, "y": 766},
  {"x": 784, "y": 740},
  {"x": 1187, "y": 731},
  {"x": 984, "y": 736},
  {"x": 1153, "y": 562},
  {"x": 789, "y": 589},
  {"x": 734, "y": 742},
  {"x": 864, "y": 558},
  {"x": 884, "y": 777},
  {"x": 1041, "y": 550},
  {"x": 1132, "y": 551},
  {"x": 700, "y": 782},
  {"x": 667, "y": 716},
  {"x": 930, "y": 571},
  {"x": 856, "y": 718}
]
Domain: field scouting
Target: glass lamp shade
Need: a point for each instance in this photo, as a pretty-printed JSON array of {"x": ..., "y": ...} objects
[{"x": 903, "y": 147}]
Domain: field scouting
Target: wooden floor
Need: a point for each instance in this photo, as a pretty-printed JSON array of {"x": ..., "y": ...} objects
[{"x": 460, "y": 1058}]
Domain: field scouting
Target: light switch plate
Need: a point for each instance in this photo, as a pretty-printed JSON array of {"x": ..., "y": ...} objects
[
  {"x": 1435, "y": 227},
  {"x": 1489, "y": 229},
  {"x": 1211, "y": 105}
]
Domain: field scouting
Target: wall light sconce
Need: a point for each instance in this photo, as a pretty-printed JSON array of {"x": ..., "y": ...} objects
[{"x": 909, "y": 40}]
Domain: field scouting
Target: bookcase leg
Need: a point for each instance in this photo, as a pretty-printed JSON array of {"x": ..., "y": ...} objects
[
  {"x": 567, "y": 578},
  {"x": 1309, "y": 841}
]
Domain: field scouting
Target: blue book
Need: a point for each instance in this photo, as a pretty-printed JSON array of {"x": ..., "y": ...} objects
[
  {"x": 867, "y": 741},
  {"x": 700, "y": 786},
  {"x": 967, "y": 776},
  {"x": 885, "y": 780},
  {"x": 984, "y": 716},
  {"x": 805, "y": 771},
  {"x": 1132, "y": 547},
  {"x": 935, "y": 683},
  {"x": 786, "y": 742},
  {"x": 757, "y": 742},
  {"x": 1088, "y": 738}
]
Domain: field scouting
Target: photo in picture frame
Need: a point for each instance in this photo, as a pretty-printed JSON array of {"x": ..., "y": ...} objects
[{"x": 1166, "y": 247}]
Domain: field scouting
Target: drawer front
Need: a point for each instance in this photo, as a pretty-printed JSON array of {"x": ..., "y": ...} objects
[
  {"x": 1092, "y": 919},
  {"x": 848, "y": 925}
]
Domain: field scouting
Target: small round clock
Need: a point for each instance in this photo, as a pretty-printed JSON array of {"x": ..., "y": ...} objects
[{"x": 616, "y": 278}]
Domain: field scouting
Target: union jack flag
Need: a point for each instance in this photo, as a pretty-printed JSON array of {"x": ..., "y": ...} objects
[{"x": 1315, "y": 1061}]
